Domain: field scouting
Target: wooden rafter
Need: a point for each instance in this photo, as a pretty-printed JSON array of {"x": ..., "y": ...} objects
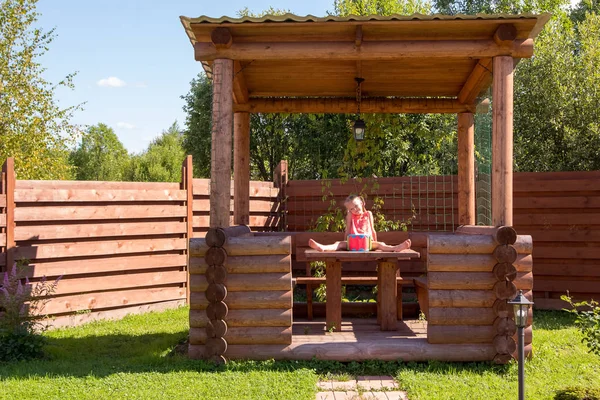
[
  {"x": 240, "y": 89},
  {"x": 479, "y": 79},
  {"x": 391, "y": 50},
  {"x": 348, "y": 106}
]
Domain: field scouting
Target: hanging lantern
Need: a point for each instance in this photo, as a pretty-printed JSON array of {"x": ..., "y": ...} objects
[{"x": 359, "y": 126}]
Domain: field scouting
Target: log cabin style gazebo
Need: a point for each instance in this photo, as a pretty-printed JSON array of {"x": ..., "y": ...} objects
[{"x": 241, "y": 282}]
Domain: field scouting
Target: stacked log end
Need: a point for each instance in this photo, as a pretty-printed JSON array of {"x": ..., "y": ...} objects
[
  {"x": 508, "y": 282},
  {"x": 241, "y": 294}
]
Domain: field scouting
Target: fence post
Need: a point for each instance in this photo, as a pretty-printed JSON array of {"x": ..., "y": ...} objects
[
  {"x": 8, "y": 188},
  {"x": 187, "y": 184},
  {"x": 280, "y": 180}
]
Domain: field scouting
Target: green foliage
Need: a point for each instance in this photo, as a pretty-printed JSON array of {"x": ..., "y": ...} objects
[
  {"x": 578, "y": 393},
  {"x": 198, "y": 123},
  {"x": 588, "y": 321},
  {"x": 380, "y": 7},
  {"x": 33, "y": 128},
  {"x": 162, "y": 161},
  {"x": 100, "y": 156},
  {"x": 22, "y": 304}
]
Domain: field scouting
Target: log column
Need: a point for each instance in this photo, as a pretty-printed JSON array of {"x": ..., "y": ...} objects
[
  {"x": 502, "y": 141},
  {"x": 222, "y": 123},
  {"x": 466, "y": 169},
  {"x": 241, "y": 168}
]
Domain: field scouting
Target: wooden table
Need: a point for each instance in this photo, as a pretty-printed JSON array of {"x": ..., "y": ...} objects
[{"x": 387, "y": 266}]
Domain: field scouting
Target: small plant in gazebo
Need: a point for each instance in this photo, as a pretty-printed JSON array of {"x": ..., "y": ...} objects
[{"x": 21, "y": 314}]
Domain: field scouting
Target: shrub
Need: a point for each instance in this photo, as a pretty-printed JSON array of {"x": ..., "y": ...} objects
[
  {"x": 578, "y": 393},
  {"x": 21, "y": 317},
  {"x": 588, "y": 321}
]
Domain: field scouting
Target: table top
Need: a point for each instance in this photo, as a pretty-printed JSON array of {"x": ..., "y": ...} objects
[{"x": 360, "y": 255}]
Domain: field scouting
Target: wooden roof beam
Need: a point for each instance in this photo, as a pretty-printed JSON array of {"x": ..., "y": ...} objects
[
  {"x": 481, "y": 76},
  {"x": 384, "y": 50},
  {"x": 479, "y": 79},
  {"x": 348, "y": 106},
  {"x": 240, "y": 89}
]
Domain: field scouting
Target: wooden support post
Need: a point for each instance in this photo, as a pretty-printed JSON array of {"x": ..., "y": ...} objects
[
  {"x": 466, "y": 169},
  {"x": 280, "y": 180},
  {"x": 222, "y": 122},
  {"x": 187, "y": 179},
  {"x": 386, "y": 271},
  {"x": 502, "y": 142},
  {"x": 241, "y": 168},
  {"x": 8, "y": 188},
  {"x": 333, "y": 307}
]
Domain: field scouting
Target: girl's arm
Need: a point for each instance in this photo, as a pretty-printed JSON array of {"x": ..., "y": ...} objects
[
  {"x": 348, "y": 223},
  {"x": 372, "y": 226}
]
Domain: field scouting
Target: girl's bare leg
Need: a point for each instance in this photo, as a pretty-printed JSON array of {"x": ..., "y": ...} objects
[
  {"x": 386, "y": 247},
  {"x": 327, "y": 247}
]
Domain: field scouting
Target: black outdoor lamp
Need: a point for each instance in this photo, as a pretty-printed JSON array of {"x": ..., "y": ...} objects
[
  {"x": 521, "y": 307},
  {"x": 359, "y": 125}
]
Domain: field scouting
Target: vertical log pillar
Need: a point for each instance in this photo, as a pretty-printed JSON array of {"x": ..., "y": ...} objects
[
  {"x": 222, "y": 123},
  {"x": 466, "y": 169},
  {"x": 502, "y": 142},
  {"x": 187, "y": 179},
  {"x": 241, "y": 169},
  {"x": 8, "y": 188},
  {"x": 333, "y": 305},
  {"x": 280, "y": 180}
]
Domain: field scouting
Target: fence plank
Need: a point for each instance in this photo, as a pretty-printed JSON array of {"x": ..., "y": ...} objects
[
  {"x": 109, "y": 247},
  {"x": 90, "y": 195},
  {"x": 121, "y": 281},
  {"x": 96, "y": 301},
  {"x": 104, "y": 185},
  {"x": 97, "y": 212},
  {"x": 105, "y": 265},
  {"x": 46, "y": 232}
]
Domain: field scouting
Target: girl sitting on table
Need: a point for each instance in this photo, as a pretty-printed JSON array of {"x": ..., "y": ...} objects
[{"x": 359, "y": 221}]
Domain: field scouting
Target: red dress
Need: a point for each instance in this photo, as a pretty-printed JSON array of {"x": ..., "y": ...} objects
[{"x": 361, "y": 224}]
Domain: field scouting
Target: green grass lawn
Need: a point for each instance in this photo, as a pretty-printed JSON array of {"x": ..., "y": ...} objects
[{"x": 129, "y": 359}]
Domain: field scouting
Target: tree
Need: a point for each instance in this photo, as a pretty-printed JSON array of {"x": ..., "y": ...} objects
[
  {"x": 162, "y": 161},
  {"x": 198, "y": 124},
  {"x": 100, "y": 156},
  {"x": 33, "y": 129}
]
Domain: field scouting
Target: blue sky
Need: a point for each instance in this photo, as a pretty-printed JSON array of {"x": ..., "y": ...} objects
[{"x": 133, "y": 59}]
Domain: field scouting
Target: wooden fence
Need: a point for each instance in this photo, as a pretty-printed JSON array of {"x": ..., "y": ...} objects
[
  {"x": 122, "y": 246},
  {"x": 561, "y": 211}
]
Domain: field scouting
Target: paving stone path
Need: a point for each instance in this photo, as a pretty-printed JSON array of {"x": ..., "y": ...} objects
[{"x": 362, "y": 388}]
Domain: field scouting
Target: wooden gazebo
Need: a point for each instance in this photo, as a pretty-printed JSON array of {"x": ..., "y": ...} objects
[{"x": 410, "y": 64}]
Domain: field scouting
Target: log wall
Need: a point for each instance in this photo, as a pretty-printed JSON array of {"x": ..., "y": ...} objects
[
  {"x": 471, "y": 275},
  {"x": 241, "y": 294}
]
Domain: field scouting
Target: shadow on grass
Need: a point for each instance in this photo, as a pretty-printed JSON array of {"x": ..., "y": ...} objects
[
  {"x": 552, "y": 320},
  {"x": 101, "y": 356},
  {"x": 104, "y": 355}
]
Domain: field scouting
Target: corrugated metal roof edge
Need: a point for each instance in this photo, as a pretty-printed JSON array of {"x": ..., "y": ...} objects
[{"x": 332, "y": 18}]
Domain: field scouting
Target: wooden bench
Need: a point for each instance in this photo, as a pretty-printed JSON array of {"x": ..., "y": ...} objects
[{"x": 312, "y": 281}]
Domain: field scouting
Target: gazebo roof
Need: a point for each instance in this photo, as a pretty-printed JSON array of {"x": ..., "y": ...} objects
[{"x": 398, "y": 56}]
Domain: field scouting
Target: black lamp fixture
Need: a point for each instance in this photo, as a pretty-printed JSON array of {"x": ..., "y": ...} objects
[
  {"x": 521, "y": 308},
  {"x": 359, "y": 125}
]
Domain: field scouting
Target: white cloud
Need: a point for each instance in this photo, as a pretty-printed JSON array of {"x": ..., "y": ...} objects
[
  {"x": 125, "y": 125},
  {"x": 111, "y": 81}
]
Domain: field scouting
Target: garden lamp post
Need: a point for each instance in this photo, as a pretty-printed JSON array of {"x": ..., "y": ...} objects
[
  {"x": 359, "y": 125},
  {"x": 521, "y": 307}
]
